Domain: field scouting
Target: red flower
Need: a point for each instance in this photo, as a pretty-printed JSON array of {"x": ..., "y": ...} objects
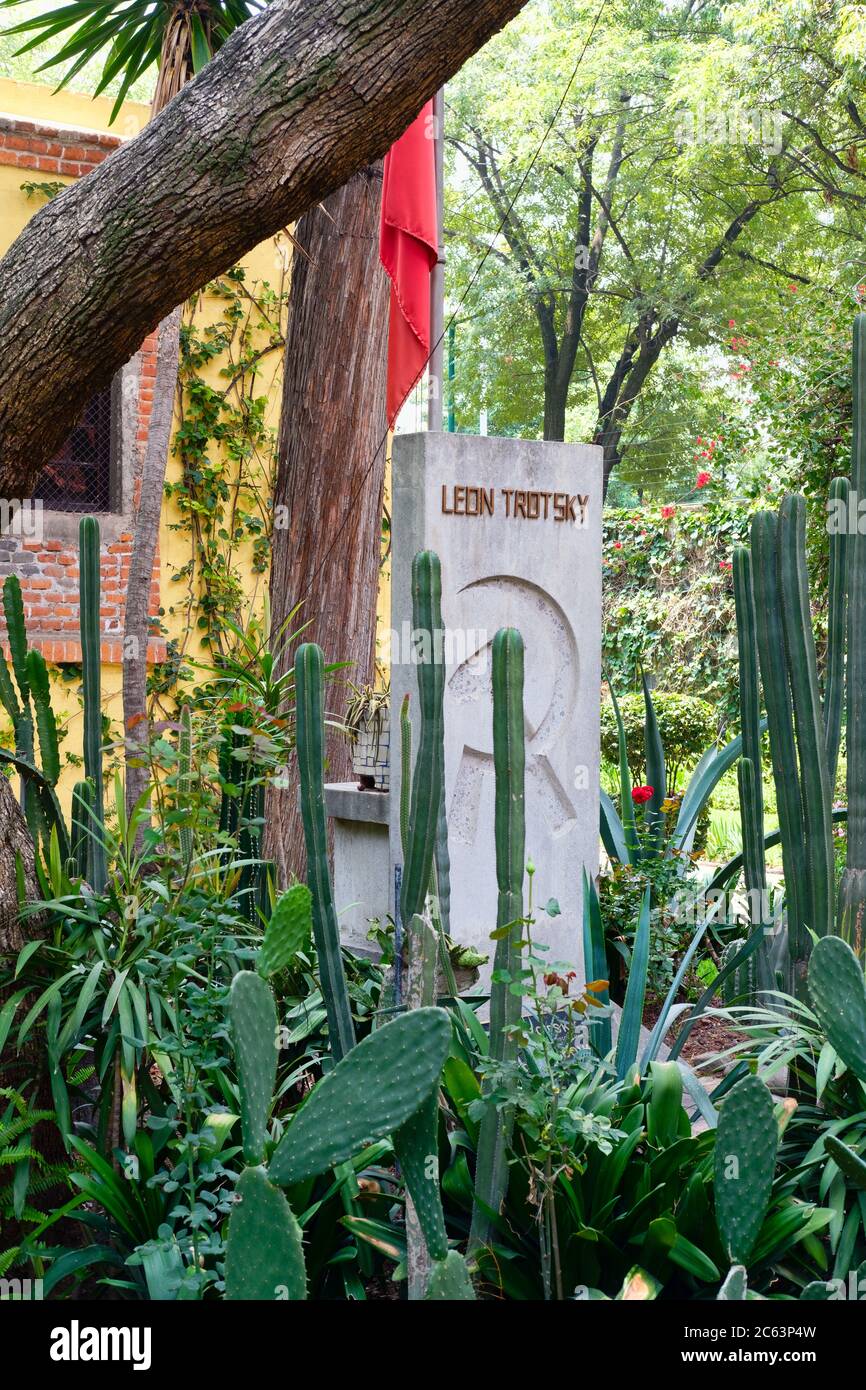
[
  {"x": 725, "y": 565},
  {"x": 703, "y": 479},
  {"x": 668, "y": 512},
  {"x": 732, "y": 323},
  {"x": 639, "y": 795},
  {"x": 617, "y": 545}
]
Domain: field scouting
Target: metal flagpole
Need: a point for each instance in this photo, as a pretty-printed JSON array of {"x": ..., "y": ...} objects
[{"x": 435, "y": 384}]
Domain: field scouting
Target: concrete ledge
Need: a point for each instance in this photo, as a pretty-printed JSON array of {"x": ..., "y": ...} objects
[{"x": 344, "y": 801}]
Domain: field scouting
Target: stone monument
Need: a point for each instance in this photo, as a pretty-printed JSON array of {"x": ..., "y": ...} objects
[{"x": 517, "y": 527}]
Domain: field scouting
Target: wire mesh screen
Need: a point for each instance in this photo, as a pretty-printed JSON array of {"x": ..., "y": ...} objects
[{"x": 78, "y": 479}]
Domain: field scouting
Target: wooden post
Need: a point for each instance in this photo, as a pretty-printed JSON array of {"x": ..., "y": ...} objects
[
  {"x": 420, "y": 992},
  {"x": 435, "y": 389}
]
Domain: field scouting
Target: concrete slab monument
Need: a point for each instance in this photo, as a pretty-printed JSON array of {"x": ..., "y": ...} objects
[{"x": 517, "y": 527}]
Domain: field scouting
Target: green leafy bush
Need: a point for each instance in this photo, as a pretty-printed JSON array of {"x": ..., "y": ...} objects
[
  {"x": 687, "y": 725},
  {"x": 668, "y": 597}
]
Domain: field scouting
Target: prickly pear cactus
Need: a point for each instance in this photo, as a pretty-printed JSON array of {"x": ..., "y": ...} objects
[
  {"x": 838, "y": 991},
  {"x": 264, "y": 1256},
  {"x": 415, "y": 1144},
  {"x": 288, "y": 930},
  {"x": 450, "y": 1281},
  {"x": 735, "y": 1287},
  {"x": 851, "y": 1164},
  {"x": 373, "y": 1091},
  {"x": 747, "y": 1138},
  {"x": 254, "y": 1029}
]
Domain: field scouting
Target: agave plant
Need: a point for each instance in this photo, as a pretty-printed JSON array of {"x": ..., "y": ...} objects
[{"x": 627, "y": 842}]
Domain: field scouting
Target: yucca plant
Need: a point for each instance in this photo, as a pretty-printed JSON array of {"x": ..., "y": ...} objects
[{"x": 130, "y": 36}]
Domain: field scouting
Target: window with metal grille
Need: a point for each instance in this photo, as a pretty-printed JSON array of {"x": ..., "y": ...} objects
[{"x": 79, "y": 478}]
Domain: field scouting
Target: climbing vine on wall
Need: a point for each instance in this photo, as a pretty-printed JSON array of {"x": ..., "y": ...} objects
[
  {"x": 668, "y": 597},
  {"x": 227, "y": 451}
]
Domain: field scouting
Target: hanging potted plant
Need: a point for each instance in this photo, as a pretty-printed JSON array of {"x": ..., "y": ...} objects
[{"x": 369, "y": 727}]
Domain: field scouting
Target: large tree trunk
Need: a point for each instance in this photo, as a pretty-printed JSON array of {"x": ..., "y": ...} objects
[
  {"x": 15, "y": 842},
  {"x": 331, "y": 460},
  {"x": 297, "y": 99},
  {"x": 175, "y": 70},
  {"x": 555, "y": 397},
  {"x": 15, "y": 931},
  {"x": 137, "y": 605}
]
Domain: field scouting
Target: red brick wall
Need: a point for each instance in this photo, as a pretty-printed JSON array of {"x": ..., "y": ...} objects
[
  {"x": 48, "y": 568},
  {"x": 50, "y": 149}
]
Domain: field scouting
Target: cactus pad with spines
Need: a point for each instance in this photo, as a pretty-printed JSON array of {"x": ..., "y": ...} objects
[
  {"x": 747, "y": 1138},
  {"x": 288, "y": 930},
  {"x": 851, "y": 1164},
  {"x": 838, "y": 991},
  {"x": 449, "y": 1281},
  {"x": 735, "y": 1286},
  {"x": 254, "y": 1031},
  {"x": 416, "y": 1145},
  {"x": 369, "y": 1094},
  {"x": 264, "y": 1251}
]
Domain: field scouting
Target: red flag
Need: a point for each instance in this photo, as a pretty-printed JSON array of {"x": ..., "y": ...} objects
[{"x": 408, "y": 249}]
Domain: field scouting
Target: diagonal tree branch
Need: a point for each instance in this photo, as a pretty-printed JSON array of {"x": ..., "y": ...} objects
[{"x": 298, "y": 98}]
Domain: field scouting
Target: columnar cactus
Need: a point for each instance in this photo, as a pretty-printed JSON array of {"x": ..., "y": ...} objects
[
  {"x": 749, "y": 768},
  {"x": 741, "y": 986},
  {"x": 808, "y": 718},
  {"x": 852, "y": 895},
  {"x": 82, "y": 826},
  {"x": 25, "y": 695},
  {"x": 772, "y": 652},
  {"x": 405, "y": 772},
  {"x": 89, "y": 599},
  {"x": 442, "y": 860},
  {"x": 29, "y": 710},
  {"x": 509, "y": 756},
  {"x": 310, "y": 734},
  {"x": 837, "y": 609},
  {"x": 426, "y": 795}
]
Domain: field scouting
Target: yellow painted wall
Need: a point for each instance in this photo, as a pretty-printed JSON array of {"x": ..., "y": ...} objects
[
  {"x": 67, "y": 109},
  {"x": 267, "y": 262},
  {"x": 36, "y": 102}
]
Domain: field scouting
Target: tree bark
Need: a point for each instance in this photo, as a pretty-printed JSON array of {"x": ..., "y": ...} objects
[
  {"x": 331, "y": 468},
  {"x": 137, "y": 606},
  {"x": 175, "y": 70},
  {"x": 555, "y": 399},
  {"x": 15, "y": 930},
  {"x": 297, "y": 99}
]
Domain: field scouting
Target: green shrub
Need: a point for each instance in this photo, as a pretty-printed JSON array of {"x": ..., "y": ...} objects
[{"x": 687, "y": 725}]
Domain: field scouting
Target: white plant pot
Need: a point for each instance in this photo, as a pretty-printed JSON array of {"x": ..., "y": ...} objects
[{"x": 371, "y": 751}]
